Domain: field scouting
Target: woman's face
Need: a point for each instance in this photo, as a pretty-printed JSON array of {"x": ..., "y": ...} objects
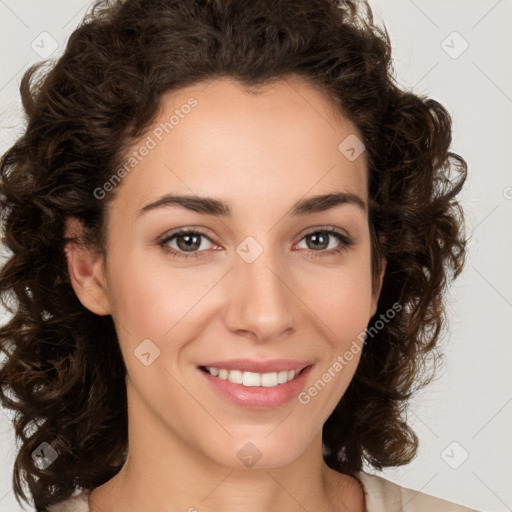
[{"x": 259, "y": 288}]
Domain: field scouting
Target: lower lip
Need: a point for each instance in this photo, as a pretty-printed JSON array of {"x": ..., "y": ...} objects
[{"x": 258, "y": 397}]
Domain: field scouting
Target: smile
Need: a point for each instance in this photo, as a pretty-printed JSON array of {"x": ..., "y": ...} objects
[
  {"x": 251, "y": 379},
  {"x": 255, "y": 390}
]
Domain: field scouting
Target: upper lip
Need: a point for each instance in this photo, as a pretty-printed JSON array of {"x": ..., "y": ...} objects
[{"x": 252, "y": 365}]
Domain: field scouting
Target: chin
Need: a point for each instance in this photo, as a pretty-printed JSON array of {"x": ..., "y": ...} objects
[{"x": 260, "y": 451}]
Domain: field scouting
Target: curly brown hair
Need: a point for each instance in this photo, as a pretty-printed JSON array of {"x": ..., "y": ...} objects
[{"x": 64, "y": 377}]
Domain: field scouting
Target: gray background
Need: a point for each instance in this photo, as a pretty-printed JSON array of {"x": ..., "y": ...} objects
[{"x": 462, "y": 419}]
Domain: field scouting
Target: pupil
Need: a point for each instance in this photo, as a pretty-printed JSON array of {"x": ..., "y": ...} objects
[
  {"x": 191, "y": 242},
  {"x": 317, "y": 237}
]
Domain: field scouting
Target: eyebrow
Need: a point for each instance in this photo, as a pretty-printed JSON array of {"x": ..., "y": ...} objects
[{"x": 220, "y": 208}]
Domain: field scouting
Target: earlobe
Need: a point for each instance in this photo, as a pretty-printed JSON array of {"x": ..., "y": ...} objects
[{"x": 86, "y": 269}]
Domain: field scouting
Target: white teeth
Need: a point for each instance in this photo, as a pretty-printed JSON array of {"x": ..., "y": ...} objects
[
  {"x": 269, "y": 379},
  {"x": 250, "y": 379},
  {"x": 282, "y": 377},
  {"x": 235, "y": 376}
]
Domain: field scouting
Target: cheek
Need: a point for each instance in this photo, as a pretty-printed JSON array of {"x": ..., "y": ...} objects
[
  {"x": 344, "y": 307},
  {"x": 148, "y": 297},
  {"x": 343, "y": 301}
]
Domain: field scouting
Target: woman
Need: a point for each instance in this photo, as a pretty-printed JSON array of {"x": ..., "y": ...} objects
[{"x": 231, "y": 233}]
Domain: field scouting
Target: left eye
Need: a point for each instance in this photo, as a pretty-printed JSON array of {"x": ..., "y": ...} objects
[{"x": 320, "y": 240}]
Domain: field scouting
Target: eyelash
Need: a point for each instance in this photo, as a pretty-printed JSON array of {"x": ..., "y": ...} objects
[{"x": 346, "y": 242}]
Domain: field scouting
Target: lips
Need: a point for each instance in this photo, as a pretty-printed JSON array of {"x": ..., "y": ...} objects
[{"x": 265, "y": 395}]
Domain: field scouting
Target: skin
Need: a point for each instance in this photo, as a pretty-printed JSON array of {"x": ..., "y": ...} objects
[{"x": 261, "y": 153}]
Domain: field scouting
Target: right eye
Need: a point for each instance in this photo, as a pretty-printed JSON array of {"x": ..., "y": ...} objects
[{"x": 187, "y": 242}]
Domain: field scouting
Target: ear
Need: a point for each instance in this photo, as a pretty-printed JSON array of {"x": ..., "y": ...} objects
[
  {"x": 378, "y": 280},
  {"x": 86, "y": 270},
  {"x": 378, "y": 285}
]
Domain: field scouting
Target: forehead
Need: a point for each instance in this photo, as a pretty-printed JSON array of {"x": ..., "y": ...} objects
[{"x": 219, "y": 138}]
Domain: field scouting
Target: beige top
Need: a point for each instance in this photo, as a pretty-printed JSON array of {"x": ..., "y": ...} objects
[{"x": 381, "y": 496}]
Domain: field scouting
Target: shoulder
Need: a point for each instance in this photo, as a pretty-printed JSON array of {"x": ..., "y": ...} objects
[
  {"x": 385, "y": 496},
  {"x": 76, "y": 503}
]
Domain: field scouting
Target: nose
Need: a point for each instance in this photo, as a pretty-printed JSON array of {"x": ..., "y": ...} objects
[{"x": 260, "y": 299}]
